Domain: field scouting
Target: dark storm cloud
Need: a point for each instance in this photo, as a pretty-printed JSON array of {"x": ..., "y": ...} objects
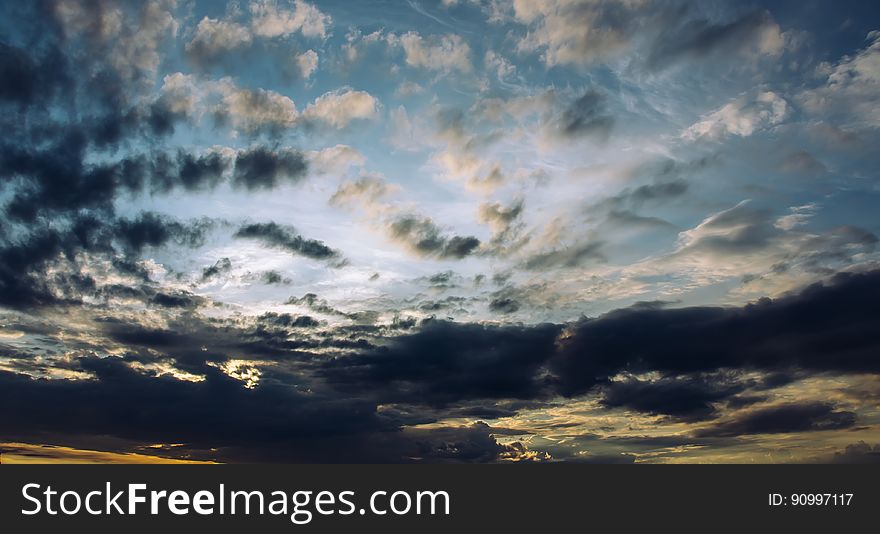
[
  {"x": 445, "y": 362},
  {"x": 25, "y": 282},
  {"x": 188, "y": 171},
  {"x": 786, "y": 418},
  {"x": 152, "y": 408},
  {"x": 689, "y": 398},
  {"x": 27, "y": 79},
  {"x": 261, "y": 168},
  {"x": 151, "y": 229},
  {"x": 699, "y": 38},
  {"x": 473, "y": 444},
  {"x": 56, "y": 179},
  {"x": 424, "y": 237},
  {"x": 253, "y": 169},
  {"x": 827, "y": 327},
  {"x": 444, "y": 368},
  {"x": 288, "y": 239},
  {"x": 317, "y": 427}
]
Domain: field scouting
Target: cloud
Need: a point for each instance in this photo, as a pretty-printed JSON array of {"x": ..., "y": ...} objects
[
  {"x": 150, "y": 229},
  {"x": 786, "y": 418},
  {"x": 287, "y": 320},
  {"x": 214, "y": 37},
  {"x": 43, "y": 266},
  {"x": 252, "y": 111},
  {"x": 129, "y": 40},
  {"x": 424, "y": 237},
  {"x": 576, "y": 31},
  {"x": 504, "y": 305},
  {"x": 262, "y": 168},
  {"x": 277, "y": 236},
  {"x": 340, "y": 107},
  {"x": 502, "y": 68},
  {"x": 258, "y": 409},
  {"x": 688, "y": 398},
  {"x": 445, "y": 362},
  {"x": 858, "y": 453},
  {"x": 271, "y": 18},
  {"x": 190, "y": 171},
  {"x": 445, "y": 53},
  {"x": 367, "y": 189},
  {"x": 26, "y": 79},
  {"x": 798, "y": 216},
  {"x": 791, "y": 332},
  {"x": 583, "y": 32},
  {"x": 745, "y": 241},
  {"x": 585, "y": 116},
  {"x": 222, "y": 266},
  {"x": 850, "y": 88},
  {"x": 337, "y": 159},
  {"x": 307, "y": 63},
  {"x": 566, "y": 257},
  {"x": 318, "y": 428},
  {"x": 110, "y": 308},
  {"x": 742, "y": 117},
  {"x": 697, "y": 357},
  {"x": 802, "y": 162},
  {"x": 316, "y": 304},
  {"x": 739, "y": 229},
  {"x": 463, "y": 156},
  {"x": 505, "y": 224},
  {"x": 417, "y": 233},
  {"x": 177, "y": 300},
  {"x": 754, "y": 34}
]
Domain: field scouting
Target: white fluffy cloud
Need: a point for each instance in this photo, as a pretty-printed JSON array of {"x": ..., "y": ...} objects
[
  {"x": 254, "y": 110},
  {"x": 269, "y": 19},
  {"x": 851, "y": 87},
  {"x": 307, "y": 63},
  {"x": 446, "y": 52},
  {"x": 574, "y": 31},
  {"x": 133, "y": 48},
  {"x": 743, "y": 117},
  {"x": 215, "y": 36},
  {"x": 340, "y": 107}
]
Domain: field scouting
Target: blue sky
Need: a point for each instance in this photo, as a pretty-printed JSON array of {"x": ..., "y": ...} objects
[{"x": 478, "y": 164}]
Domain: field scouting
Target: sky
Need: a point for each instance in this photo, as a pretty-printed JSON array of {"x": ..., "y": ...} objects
[{"x": 607, "y": 231}]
